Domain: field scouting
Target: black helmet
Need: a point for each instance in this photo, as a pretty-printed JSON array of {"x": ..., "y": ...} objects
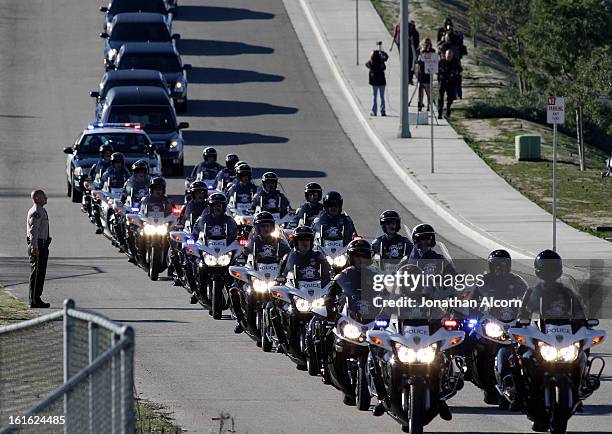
[
  {"x": 217, "y": 198},
  {"x": 313, "y": 187},
  {"x": 209, "y": 152},
  {"x": 231, "y": 160},
  {"x": 303, "y": 233},
  {"x": 243, "y": 169},
  {"x": 499, "y": 256},
  {"x": 358, "y": 246},
  {"x": 117, "y": 156},
  {"x": 333, "y": 197},
  {"x": 140, "y": 165},
  {"x": 390, "y": 216},
  {"x": 263, "y": 217},
  {"x": 198, "y": 186},
  {"x": 106, "y": 147},
  {"x": 269, "y": 177},
  {"x": 548, "y": 265},
  {"x": 423, "y": 231},
  {"x": 158, "y": 181}
]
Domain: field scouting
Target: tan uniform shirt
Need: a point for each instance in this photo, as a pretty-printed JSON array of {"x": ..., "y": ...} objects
[{"x": 37, "y": 224}]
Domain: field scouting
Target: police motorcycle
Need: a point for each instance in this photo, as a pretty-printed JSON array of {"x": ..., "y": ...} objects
[
  {"x": 148, "y": 233},
  {"x": 288, "y": 316},
  {"x": 239, "y": 209},
  {"x": 550, "y": 371},
  {"x": 411, "y": 371},
  {"x": 255, "y": 276},
  {"x": 213, "y": 258},
  {"x": 330, "y": 241}
]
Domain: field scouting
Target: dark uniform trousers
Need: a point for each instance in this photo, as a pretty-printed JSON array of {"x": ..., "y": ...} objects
[{"x": 38, "y": 264}]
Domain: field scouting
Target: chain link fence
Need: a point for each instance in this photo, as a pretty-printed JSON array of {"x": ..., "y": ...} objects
[{"x": 70, "y": 371}]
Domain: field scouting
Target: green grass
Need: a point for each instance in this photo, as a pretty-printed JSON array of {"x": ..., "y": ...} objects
[{"x": 149, "y": 416}]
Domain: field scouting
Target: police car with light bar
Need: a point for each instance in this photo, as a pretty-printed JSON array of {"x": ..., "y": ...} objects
[{"x": 129, "y": 139}]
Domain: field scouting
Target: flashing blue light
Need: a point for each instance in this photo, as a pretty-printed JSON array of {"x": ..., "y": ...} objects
[
  {"x": 472, "y": 323},
  {"x": 210, "y": 187},
  {"x": 381, "y": 323},
  {"x": 135, "y": 209}
]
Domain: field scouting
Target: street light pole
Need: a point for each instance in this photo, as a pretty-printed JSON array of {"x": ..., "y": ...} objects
[
  {"x": 405, "y": 50},
  {"x": 357, "y": 32}
]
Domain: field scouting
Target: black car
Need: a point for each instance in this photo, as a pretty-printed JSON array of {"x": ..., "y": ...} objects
[
  {"x": 152, "y": 109},
  {"x": 130, "y": 140},
  {"x": 128, "y": 77},
  {"x": 160, "y": 56},
  {"x": 124, "y": 6},
  {"x": 134, "y": 27}
]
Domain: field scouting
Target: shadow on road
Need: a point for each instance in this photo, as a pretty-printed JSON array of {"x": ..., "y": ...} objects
[
  {"x": 199, "y": 47},
  {"x": 592, "y": 410},
  {"x": 217, "y": 13},
  {"x": 289, "y": 173},
  {"x": 150, "y": 321},
  {"x": 220, "y": 138},
  {"x": 230, "y": 76},
  {"x": 225, "y": 108}
]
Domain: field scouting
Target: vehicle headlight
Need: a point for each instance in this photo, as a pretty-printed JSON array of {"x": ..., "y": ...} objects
[
  {"x": 566, "y": 354},
  {"x": 351, "y": 331},
  {"x": 210, "y": 260},
  {"x": 224, "y": 260},
  {"x": 338, "y": 261},
  {"x": 302, "y": 305},
  {"x": 178, "y": 86},
  {"x": 493, "y": 330},
  {"x": 260, "y": 285},
  {"x": 155, "y": 229},
  {"x": 174, "y": 144},
  {"x": 112, "y": 53},
  {"x": 78, "y": 171},
  {"x": 318, "y": 303},
  {"x": 408, "y": 355}
]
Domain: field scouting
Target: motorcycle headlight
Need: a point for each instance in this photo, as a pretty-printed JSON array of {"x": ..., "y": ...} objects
[
  {"x": 493, "y": 330},
  {"x": 149, "y": 229},
  {"x": 260, "y": 285},
  {"x": 302, "y": 305},
  {"x": 112, "y": 53},
  {"x": 224, "y": 260},
  {"x": 161, "y": 230},
  {"x": 210, "y": 260},
  {"x": 318, "y": 303},
  {"x": 338, "y": 261},
  {"x": 351, "y": 331},
  {"x": 566, "y": 354},
  {"x": 408, "y": 355},
  {"x": 276, "y": 233}
]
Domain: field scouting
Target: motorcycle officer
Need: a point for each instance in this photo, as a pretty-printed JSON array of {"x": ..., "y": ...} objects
[
  {"x": 423, "y": 256},
  {"x": 215, "y": 221},
  {"x": 242, "y": 191},
  {"x": 312, "y": 207},
  {"x": 208, "y": 168},
  {"x": 332, "y": 221},
  {"x": 226, "y": 175},
  {"x": 197, "y": 205},
  {"x": 269, "y": 198},
  {"x": 306, "y": 263},
  {"x": 263, "y": 245},
  {"x": 391, "y": 245},
  {"x": 136, "y": 186},
  {"x": 114, "y": 177},
  {"x": 103, "y": 163}
]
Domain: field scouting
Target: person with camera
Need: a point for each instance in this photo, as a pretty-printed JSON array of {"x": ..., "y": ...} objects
[
  {"x": 423, "y": 77},
  {"x": 377, "y": 67},
  {"x": 449, "y": 73}
]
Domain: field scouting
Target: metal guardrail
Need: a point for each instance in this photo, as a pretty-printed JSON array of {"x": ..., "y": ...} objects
[{"x": 74, "y": 375}]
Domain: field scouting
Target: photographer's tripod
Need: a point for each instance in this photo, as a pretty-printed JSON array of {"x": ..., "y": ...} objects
[{"x": 431, "y": 106}]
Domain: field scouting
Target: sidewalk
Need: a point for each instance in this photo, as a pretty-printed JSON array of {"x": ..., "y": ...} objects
[{"x": 464, "y": 192}]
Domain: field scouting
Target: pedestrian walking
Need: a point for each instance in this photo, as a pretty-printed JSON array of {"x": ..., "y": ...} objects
[
  {"x": 449, "y": 71},
  {"x": 423, "y": 77},
  {"x": 37, "y": 235},
  {"x": 377, "y": 79}
]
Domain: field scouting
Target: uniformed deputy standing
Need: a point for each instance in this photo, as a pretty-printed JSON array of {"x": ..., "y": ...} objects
[{"x": 38, "y": 246}]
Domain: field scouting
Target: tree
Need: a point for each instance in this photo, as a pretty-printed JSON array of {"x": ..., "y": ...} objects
[{"x": 560, "y": 36}]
